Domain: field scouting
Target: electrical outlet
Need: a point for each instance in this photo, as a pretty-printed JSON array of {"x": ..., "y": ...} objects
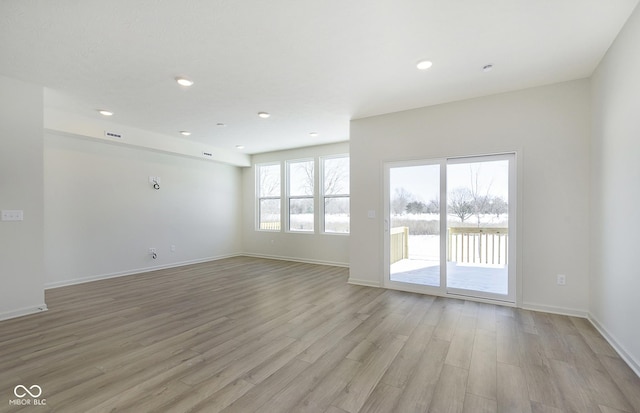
[
  {"x": 562, "y": 279},
  {"x": 152, "y": 250},
  {"x": 173, "y": 248}
]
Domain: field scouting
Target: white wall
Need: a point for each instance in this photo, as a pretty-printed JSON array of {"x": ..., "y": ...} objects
[
  {"x": 615, "y": 153},
  {"x": 21, "y": 188},
  {"x": 95, "y": 127},
  {"x": 319, "y": 248},
  {"x": 102, "y": 214},
  {"x": 549, "y": 129}
]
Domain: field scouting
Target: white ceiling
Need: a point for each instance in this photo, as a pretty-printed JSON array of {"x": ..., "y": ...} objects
[{"x": 314, "y": 65}]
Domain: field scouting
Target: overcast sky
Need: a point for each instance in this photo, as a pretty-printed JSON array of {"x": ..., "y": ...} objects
[{"x": 423, "y": 181}]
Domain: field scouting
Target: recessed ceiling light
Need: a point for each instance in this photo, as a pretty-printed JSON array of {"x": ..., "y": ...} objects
[
  {"x": 314, "y": 134},
  {"x": 424, "y": 64},
  {"x": 182, "y": 81},
  {"x": 239, "y": 146},
  {"x": 264, "y": 115},
  {"x": 185, "y": 132},
  {"x": 487, "y": 68},
  {"x": 220, "y": 124},
  {"x": 105, "y": 112}
]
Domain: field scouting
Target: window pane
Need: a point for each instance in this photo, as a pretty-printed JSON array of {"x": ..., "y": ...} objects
[
  {"x": 336, "y": 215},
  {"x": 270, "y": 214},
  {"x": 414, "y": 215},
  {"x": 301, "y": 178},
  {"x": 269, "y": 176},
  {"x": 336, "y": 176},
  {"x": 301, "y": 214},
  {"x": 478, "y": 225}
]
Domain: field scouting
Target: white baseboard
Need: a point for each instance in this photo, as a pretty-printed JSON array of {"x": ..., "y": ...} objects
[
  {"x": 364, "y": 283},
  {"x": 23, "y": 311},
  {"x": 554, "y": 310},
  {"x": 619, "y": 348},
  {"x": 294, "y": 259},
  {"x": 83, "y": 280}
]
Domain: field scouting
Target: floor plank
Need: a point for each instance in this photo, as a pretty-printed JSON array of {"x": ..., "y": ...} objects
[
  {"x": 477, "y": 404},
  {"x": 513, "y": 395},
  {"x": 450, "y": 392},
  {"x": 482, "y": 371},
  {"x": 420, "y": 388},
  {"x": 252, "y": 335}
]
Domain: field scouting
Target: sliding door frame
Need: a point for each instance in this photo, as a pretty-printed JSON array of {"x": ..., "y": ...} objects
[{"x": 514, "y": 289}]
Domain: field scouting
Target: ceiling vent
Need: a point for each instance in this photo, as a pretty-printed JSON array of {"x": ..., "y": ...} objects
[{"x": 112, "y": 135}]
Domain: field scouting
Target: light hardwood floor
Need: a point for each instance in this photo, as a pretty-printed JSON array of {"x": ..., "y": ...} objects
[{"x": 246, "y": 334}]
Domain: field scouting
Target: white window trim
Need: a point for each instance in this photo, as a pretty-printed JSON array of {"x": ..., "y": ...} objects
[
  {"x": 259, "y": 198},
  {"x": 287, "y": 198},
  {"x": 322, "y": 196}
]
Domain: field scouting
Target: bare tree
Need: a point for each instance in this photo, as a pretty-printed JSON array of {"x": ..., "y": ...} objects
[
  {"x": 433, "y": 207},
  {"x": 335, "y": 182},
  {"x": 400, "y": 200},
  {"x": 416, "y": 207},
  {"x": 269, "y": 176},
  {"x": 306, "y": 169},
  {"x": 336, "y": 178},
  {"x": 498, "y": 206},
  {"x": 270, "y": 180},
  {"x": 461, "y": 203},
  {"x": 480, "y": 198}
]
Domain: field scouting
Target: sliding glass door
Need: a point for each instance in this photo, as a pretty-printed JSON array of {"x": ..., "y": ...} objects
[{"x": 449, "y": 226}]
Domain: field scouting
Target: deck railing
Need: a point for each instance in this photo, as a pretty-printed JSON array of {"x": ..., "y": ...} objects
[
  {"x": 478, "y": 245},
  {"x": 399, "y": 243},
  {"x": 469, "y": 245},
  {"x": 270, "y": 225}
]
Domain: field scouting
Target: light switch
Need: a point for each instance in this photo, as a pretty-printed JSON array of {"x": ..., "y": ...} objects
[
  {"x": 12, "y": 215},
  {"x": 371, "y": 214}
]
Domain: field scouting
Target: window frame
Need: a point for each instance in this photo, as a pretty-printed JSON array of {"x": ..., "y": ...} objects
[
  {"x": 260, "y": 198},
  {"x": 323, "y": 196},
  {"x": 288, "y": 197}
]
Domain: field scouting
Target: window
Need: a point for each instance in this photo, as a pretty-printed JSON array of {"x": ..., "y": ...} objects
[
  {"x": 308, "y": 198},
  {"x": 300, "y": 199},
  {"x": 268, "y": 189},
  {"x": 335, "y": 184}
]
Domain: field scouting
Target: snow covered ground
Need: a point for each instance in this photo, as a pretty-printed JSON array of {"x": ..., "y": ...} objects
[
  {"x": 422, "y": 267},
  {"x": 484, "y": 278}
]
